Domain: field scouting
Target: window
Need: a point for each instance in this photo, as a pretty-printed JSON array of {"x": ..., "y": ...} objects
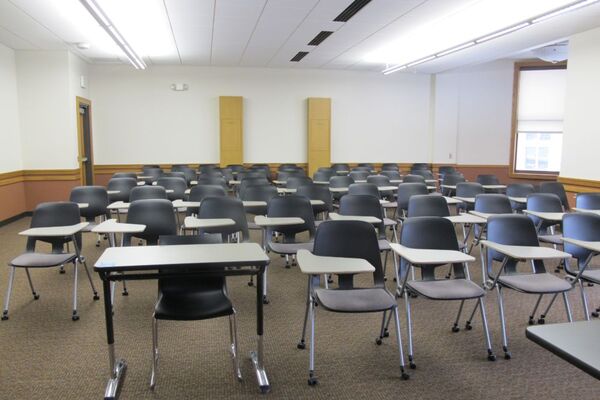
[{"x": 538, "y": 117}]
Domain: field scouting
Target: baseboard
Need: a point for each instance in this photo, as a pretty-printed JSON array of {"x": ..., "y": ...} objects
[{"x": 16, "y": 218}]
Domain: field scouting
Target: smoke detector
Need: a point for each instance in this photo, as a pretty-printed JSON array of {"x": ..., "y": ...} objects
[{"x": 554, "y": 53}]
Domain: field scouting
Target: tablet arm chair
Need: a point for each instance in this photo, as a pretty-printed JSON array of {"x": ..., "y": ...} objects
[
  {"x": 54, "y": 214},
  {"x": 97, "y": 200}
]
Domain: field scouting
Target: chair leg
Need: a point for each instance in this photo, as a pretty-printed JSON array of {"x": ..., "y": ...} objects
[
  {"x": 411, "y": 363},
  {"x": 586, "y": 309},
  {"x": 468, "y": 325},
  {"x": 33, "y": 292},
  {"x": 379, "y": 340},
  {"x": 312, "y": 379},
  {"x": 403, "y": 373},
  {"x": 486, "y": 331},
  {"x": 532, "y": 315},
  {"x": 154, "y": 352},
  {"x": 75, "y": 316},
  {"x": 87, "y": 271},
  {"x": 11, "y": 278},
  {"x": 234, "y": 348},
  {"x": 542, "y": 319},
  {"x": 125, "y": 292},
  {"x": 503, "y": 324},
  {"x": 302, "y": 343},
  {"x": 265, "y": 298},
  {"x": 567, "y": 307},
  {"x": 455, "y": 327}
]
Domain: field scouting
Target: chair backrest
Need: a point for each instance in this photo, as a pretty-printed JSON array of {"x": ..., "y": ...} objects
[
  {"x": 58, "y": 213},
  {"x": 340, "y": 167},
  {"x": 179, "y": 167},
  {"x": 364, "y": 205},
  {"x": 424, "y": 205},
  {"x": 96, "y": 198},
  {"x": 155, "y": 173},
  {"x": 285, "y": 174},
  {"x": 205, "y": 168},
  {"x": 364, "y": 188},
  {"x": 125, "y": 175},
  {"x": 294, "y": 182},
  {"x": 391, "y": 174},
  {"x": 350, "y": 239},
  {"x": 379, "y": 180},
  {"x": 200, "y": 192},
  {"x": 147, "y": 192},
  {"x": 156, "y": 214},
  {"x": 251, "y": 174},
  {"x": 487, "y": 179},
  {"x": 225, "y": 207},
  {"x": 292, "y": 206},
  {"x": 366, "y": 164},
  {"x": 469, "y": 189},
  {"x": 434, "y": 233},
  {"x": 406, "y": 191},
  {"x": 410, "y": 178},
  {"x": 580, "y": 226},
  {"x": 418, "y": 166},
  {"x": 317, "y": 192},
  {"x": 363, "y": 168},
  {"x": 213, "y": 180},
  {"x": 519, "y": 189},
  {"x": 236, "y": 167},
  {"x": 188, "y": 173},
  {"x": 323, "y": 175},
  {"x": 493, "y": 203},
  {"x": 588, "y": 201},
  {"x": 453, "y": 179},
  {"x": 545, "y": 202},
  {"x": 177, "y": 185},
  {"x": 174, "y": 174},
  {"x": 123, "y": 186},
  {"x": 359, "y": 175},
  {"x": 340, "y": 181},
  {"x": 259, "y": 193},
  {"x": 150, "y": 166},
  {"x": 425, "y": 173},
  {"x": 263, "y": 168},
  {"x": 287, "y": 165},
  {"x": 445, "y": 169},
  {"x": 247, "y": 182},
  {"x": 558, "y": 189},
  {"x": 514, "y": 229},
  {"x": 389, "y": 167}
]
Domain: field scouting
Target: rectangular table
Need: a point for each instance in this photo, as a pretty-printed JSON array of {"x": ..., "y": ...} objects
[
  {"x": 137, "y": 263},
  {"x": 575, "y": 342},
  {"x": 597, "y": 212}
]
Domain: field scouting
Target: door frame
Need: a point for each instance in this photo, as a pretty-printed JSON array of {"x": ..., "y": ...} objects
[{"x": 79, "y": 101}]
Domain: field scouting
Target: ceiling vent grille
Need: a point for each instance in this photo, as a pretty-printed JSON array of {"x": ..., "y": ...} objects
[
  {"x": 299, "y": 56},
  {"x": 321, "y": 36},
  {"x": 351, "y": 10}
]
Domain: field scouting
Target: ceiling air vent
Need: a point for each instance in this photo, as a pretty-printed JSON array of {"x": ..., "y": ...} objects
[
  {"x": 317, "y": 40},
  {"x": 351, "y": 10},
  {"x": 299, "y": 56}
]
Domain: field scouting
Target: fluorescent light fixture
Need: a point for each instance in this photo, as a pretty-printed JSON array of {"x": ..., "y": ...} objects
[
  {"x": 454, "y": 49},
  {"x": 113, "y": 32},
  {"x": 503, "y": 32},
  {"x": 478, "y": 22}
]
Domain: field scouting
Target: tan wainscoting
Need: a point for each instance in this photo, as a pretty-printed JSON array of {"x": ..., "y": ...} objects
[{"x": 575, "y": 185}]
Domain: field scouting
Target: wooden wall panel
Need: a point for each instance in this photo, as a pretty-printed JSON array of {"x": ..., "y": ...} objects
[
  {"x": 319, "y": 133},
  {"x": 231, "y": 122}
]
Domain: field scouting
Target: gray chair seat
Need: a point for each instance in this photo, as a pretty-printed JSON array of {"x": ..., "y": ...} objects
[
  {"x": 42, "y": 260},
  {"x": 389, "y": 222},
  {"x": 535, "y": 283},
  {"x": 290, "y": 248},
  {"x": 253, "y": 226},
  {"x": 592, "y": 275},
  {"x": 384, "y": 245},
  {"x": 447, "y": 289},
  {"x": 391, "y": 204},
  {"x": 355, "y": 300},
  {"x": 553, "y": 239}
]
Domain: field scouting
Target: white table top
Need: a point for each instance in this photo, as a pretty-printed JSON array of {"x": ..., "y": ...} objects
[
  {"x": 58, "y": 231},
  {"x": 430, "y": 256},
  {"x": 546, "y": 216},
  {"x": 360, "y": 181},
  {"x": 83, "y": 205},
  {"x": 484, "y": 215},
  {"x": 395, "y": 180},
  {"x": 285, "y": 190},
  {"x": 187, "y": 191},
  {"x": 526, "y": 252},
  {"x": 263, "y": 221},
  {"x": 182, "y": 204},
  {"x": 494, "y": 187},
  {"x": 278, "y": 182},
  {"x": 112, "y": 226},
  {"x": 364, "y": 218},
  {"x": 118, "y": 205},
  {"x": 470, "y": 200},
  {"x": 451, "y": 200},
  {"x": 234, "y": 182},
  {"x": 593, "y": 246},
  {"x": 141, "y": 183},
  {"x": 254, "y": 203},
  {"x": 431, "y": 188},
  {"x": 321, "y": 182},
  {"x": 587, "y": 211},
  {"x": 193, "y": 183},
  {"x": 466, "y": 219},
  {"x": 387, "y": 188},
  {"x": 316, "y": 265},
  {"x": 430, "y": 180},
  {"x": 522, "y": 200},
  {"x": 453, "y": 187},
  {"x": 113, "y": 191},
  {"x": 203, "y": 223},
  {"x": 147, "y": 257},
  {"x": 339, "y": 190},
  {"x": 145, "y": 176},
  {"x": 317, "y": 202}
]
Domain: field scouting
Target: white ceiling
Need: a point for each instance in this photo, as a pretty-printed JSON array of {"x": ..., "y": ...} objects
[{"x": 268, "y": 33}]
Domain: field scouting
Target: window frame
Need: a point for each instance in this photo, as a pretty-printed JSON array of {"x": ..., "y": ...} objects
[{"x": 527, "y": 65}]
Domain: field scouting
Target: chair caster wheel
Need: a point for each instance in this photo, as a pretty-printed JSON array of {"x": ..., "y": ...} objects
[
  {"x": 4, "y": 317},
  {"x": 413, "y": 295},
  {"x": 378, "y": 341},
  {"x": 287, "y": 266},
  {"x": 468, "y": 326},
  {"x": 455, "y": 329},
  {"x": 386, "y": 333},
  {"x": 412, "y": 365},
  {"x": 595, "y": 314},
  {"x": 62, "y": 271},
  {"x": 265, "y": 300},
  {"x": 531, "y": 321},
  {"x": 507, "y": 355},
  {"x": 541, "y": 321},
  {"x": 36, "y": 296},
  {"x": 75, "y": 317},
  {"x": 97, "y": 244},
  {"x": 491, "y": 357},
  {"x": 312, "y": 380},
  {"x": 125, "y": 293},
  {"x": 250, "y": 283},
  {"x": 96, "y": 297},
  {"x": 405, "y": 376},
  {"x": 590, "y": 284},
  {"x": 301, "y": 345}
]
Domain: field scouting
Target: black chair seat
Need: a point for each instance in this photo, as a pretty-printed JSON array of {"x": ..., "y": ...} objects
[
  {"x": 192, "y": 306},
  {"x": 42, "y": 260},
  {"x": 535, "y": 283},
  {"x": 355, "y": 300},
  {"x": 447, "y": 289},
  {"x": 553, "y": 239},
  {"x": 290, "y": 248}
]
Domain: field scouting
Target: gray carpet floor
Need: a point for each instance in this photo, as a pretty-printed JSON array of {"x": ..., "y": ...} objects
[{"x": 45, "y": 355}]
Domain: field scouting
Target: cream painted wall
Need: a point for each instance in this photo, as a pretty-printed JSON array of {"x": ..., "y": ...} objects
[
  {"x": 46, "y": 110},
  {"x": 10, "y": 151},
  {"x": 581, "y": 127},
  {"x": 473, "y": 109},
  {"x": 139, "y": 119}
]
